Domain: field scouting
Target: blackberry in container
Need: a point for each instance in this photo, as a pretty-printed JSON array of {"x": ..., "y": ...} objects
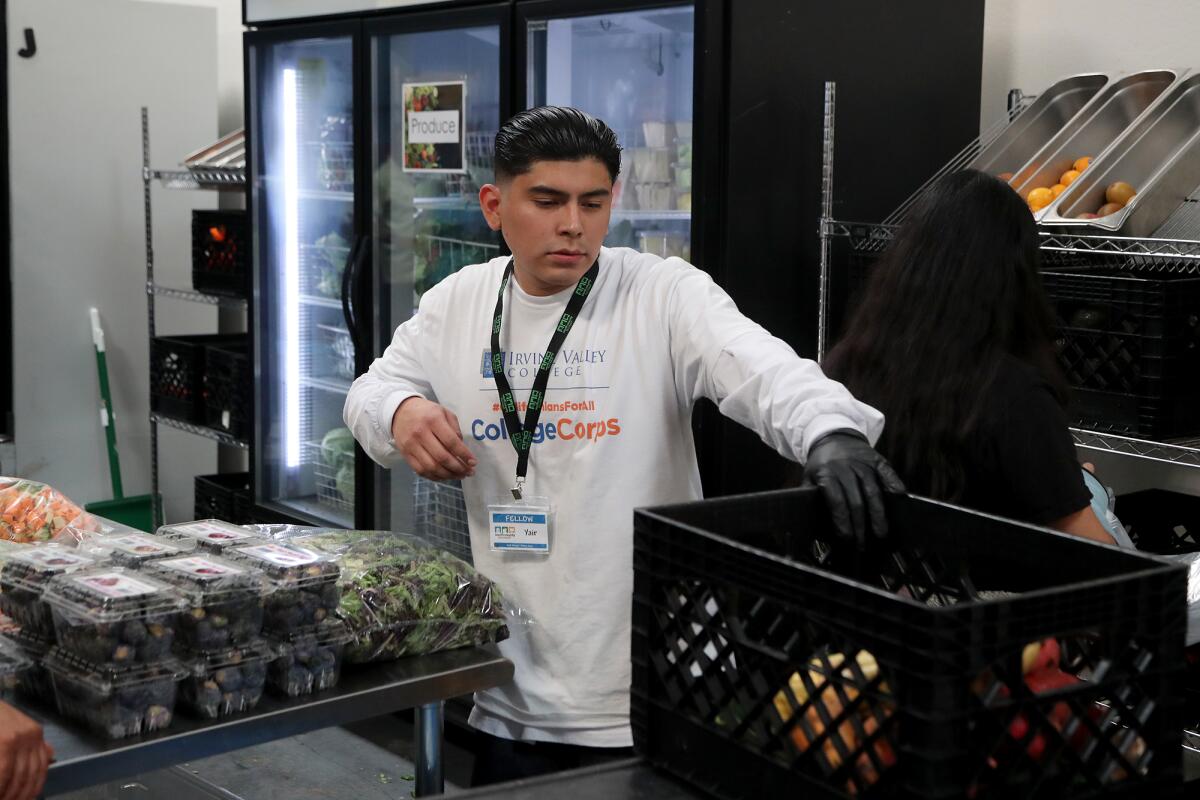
[
  {"x": 222, "y": 684},
  {"x": 134, "y": 550},
  {"x": 23, "y": 580},
  {"x": 115, "y": 703},
  {"x": 114, "y": 617},
  {"x": 305, "y": 587},
  {"x": 224, "y": 601},
  {"x": 212, "y": 534},
  {"x": 309, "y": 661}
]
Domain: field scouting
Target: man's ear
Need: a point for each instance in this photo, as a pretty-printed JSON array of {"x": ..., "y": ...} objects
[{"x": 489, "y": 203}]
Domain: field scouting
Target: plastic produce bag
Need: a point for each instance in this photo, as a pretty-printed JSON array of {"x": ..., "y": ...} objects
[
  {"x": 34, "y": 512},
  {"x": 401, "y": 596}
]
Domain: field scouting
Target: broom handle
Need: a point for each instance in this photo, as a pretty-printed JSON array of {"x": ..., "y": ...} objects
[{"x": 106, "y": 409}]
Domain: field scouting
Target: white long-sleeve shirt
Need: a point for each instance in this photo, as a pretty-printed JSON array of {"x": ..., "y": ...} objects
[{"x": 615, "y": 434}]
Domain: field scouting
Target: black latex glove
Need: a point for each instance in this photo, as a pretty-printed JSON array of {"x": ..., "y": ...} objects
[{"x": 852, "y": 477}]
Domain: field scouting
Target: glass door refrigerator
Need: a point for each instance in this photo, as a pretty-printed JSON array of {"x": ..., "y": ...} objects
[
  {"x": 425, "y": 222},
  {"x": 306, "y": 210},
  {"x": 632, "y": 65}
]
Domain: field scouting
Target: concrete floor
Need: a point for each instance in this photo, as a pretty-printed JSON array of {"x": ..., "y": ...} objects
[{"x": 371, "y": 760}]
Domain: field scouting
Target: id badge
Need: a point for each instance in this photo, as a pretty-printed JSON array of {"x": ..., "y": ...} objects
[{"x": 520, "y": 526}]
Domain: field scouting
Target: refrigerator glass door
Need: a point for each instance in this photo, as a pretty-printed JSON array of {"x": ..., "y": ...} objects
[
  {"x": 304, "y": 217},
  {"x": 633, "y": 70},
  {"x": 427, "y": 223}
]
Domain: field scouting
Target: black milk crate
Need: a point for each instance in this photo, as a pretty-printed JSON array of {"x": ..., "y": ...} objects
[
  {"x": 220, "y": 252},
  {"x": 1129, "y": 344},
  {"x": 227, "y": 387},
  {"x": 225, "y": 496},
  {"x": 177, "y": 365},
  {"x": 1168, "y": 523},
  {"x": 767, "y": 663}
]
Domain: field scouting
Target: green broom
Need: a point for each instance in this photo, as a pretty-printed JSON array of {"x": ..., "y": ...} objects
[{"x": 136, "y": 512}]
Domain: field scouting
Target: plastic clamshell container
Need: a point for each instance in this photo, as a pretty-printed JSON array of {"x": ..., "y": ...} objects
[
  {"x": 34, "y": 682},
  {"x": 308, "y": 662},
  {"x": 115, "y": 703},
  {"x": 132, "y": 550},
  {"x": 224, "y": 600},
  {"x": 1159, "y": 156},
  {"x": 226, "y": 683},
  {"x": 114, "y": 617},
  {"x": 24, "y": 578},
  {"x": 1093, "y": 130},
  {"x": 211, "y": 534},
  {"x": 306, "y": 593},
  {"x": 14, "y": 663},
  {"x": 1052, "y": 111}
]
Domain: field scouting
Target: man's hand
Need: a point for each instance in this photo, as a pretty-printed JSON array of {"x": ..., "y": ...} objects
[
  {"x": 24, "y": 756},
  {"x": 851, "y": 475},
  {"x": 428, "y": 437}
]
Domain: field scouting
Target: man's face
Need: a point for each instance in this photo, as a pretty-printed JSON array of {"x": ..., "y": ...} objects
[{"x": 553, "y": 218}]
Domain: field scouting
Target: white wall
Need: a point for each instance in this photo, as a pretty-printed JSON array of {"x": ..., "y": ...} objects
[
  {"x": 1028, "y": 44},
  {"x": 78, "y": 235},
  {"x": 229, "y": 59}
]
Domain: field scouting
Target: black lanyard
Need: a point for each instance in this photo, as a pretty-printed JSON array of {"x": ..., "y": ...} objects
[{"x": 521, "y": 433}]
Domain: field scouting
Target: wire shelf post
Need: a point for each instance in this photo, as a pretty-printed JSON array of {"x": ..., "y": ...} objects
[{"x": 826, "y": 215}]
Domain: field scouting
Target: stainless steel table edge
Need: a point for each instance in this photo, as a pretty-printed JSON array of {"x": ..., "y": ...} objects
[{"x": 420, "y": 682}]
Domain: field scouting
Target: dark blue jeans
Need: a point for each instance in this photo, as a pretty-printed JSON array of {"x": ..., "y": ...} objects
[{"x": 499, "y": 760}]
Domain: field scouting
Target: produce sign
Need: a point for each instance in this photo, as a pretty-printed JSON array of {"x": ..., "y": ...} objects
[{"x": 433, "y": 129}]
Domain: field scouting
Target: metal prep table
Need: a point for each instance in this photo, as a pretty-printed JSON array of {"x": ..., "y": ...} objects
[
  {"x": 636, "y": 779},
  {"x": 83, "y": 759},
  {"x": 631, "y": 779}
]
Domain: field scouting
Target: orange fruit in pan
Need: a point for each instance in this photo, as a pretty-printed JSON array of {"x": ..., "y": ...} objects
[
  {"x": 1109, "y": 208},
  {"x": 1068, "y": 177},
  {"x": 1040, "y": 198},
  {"x": 1057, "y": 189},
  {"x": 1119, "y": 192},
  {"x": 1081, "y": 163}
]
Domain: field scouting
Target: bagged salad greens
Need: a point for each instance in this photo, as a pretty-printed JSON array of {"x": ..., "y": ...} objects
[{"x": 401, "y": 596}]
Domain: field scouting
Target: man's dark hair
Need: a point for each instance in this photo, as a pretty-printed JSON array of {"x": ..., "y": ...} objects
[{"x": 554, "y": 133}]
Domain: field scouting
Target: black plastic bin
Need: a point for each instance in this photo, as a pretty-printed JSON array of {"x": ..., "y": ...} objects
[
  {"x": 898, "y": 669},
  {"x": 225, "y": 496},
  {"x": 1168, "y": 523},
  {"x": 220, "y": 252},
  {"x": 177, "y": 365},
  {"x": 1129, "y": 344},
  {"x": 227, "y": 387}
]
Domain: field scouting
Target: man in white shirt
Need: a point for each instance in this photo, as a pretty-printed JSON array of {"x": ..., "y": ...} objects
[{"x": 598, "y": 421}]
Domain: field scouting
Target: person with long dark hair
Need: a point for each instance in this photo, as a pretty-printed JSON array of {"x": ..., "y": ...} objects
[{"x": 953, "y": 341}]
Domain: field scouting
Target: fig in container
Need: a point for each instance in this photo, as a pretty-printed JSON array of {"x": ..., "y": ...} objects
[
  {"x": 26, "y": 573},
  {"x": 304, "y": 582},
  {"x": 136, "y": 549},
  {"x": 113, "y": 617},
  {"x": 224, "y": 601},
  {"x": 115, "y": 703},
  {"x": 227, "y": 683},
  {"x": 211, "y": 534},
  {"x": 309, "y": 661}
]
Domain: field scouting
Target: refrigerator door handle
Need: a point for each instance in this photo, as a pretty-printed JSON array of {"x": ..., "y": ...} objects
[{"x": 350, "y": 279}]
